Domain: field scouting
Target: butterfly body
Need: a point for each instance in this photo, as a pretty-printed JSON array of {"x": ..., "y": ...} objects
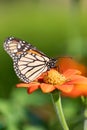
[{"x": 29, "y": 62}]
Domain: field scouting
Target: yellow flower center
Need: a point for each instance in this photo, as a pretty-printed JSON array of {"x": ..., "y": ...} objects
[{"x": 54, "y": 77}]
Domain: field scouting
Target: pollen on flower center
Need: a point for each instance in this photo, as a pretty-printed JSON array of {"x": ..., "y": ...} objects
[{"x": 54, "y": 77}]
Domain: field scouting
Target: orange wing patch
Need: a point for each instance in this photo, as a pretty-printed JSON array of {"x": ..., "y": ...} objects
[{"x": 34, "y": 52}]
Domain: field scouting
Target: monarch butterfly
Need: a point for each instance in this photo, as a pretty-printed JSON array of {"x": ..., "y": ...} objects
[{"x": 29, "y": 62}]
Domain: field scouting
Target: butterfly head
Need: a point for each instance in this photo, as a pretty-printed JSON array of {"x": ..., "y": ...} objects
[{"x": 51, "y": 63}]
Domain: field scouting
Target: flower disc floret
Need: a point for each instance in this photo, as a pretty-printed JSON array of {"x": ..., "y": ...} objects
[{"x": 54, "y": 77}]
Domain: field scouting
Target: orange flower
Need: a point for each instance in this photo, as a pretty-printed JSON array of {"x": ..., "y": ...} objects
[{"x": 70, "y": 83}]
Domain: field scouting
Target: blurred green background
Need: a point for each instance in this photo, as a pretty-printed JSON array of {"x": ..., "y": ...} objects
[{"x": 57, "y": 28}]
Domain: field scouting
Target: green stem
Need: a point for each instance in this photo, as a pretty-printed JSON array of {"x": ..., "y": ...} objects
[
  {"x": 59, "y": 112},
  {"x": 85, "y": 113}
]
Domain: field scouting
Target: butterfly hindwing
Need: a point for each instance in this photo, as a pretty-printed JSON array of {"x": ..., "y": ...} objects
[{"x": 29, "y": 66}]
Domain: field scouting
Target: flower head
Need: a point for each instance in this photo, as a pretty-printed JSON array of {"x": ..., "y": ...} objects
[{"x": 70, "y": 83}]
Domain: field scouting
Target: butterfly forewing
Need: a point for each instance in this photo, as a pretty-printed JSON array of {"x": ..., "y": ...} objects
[
  {"x": 14, "y": 46},
  {"x": 29, "y": 63}
]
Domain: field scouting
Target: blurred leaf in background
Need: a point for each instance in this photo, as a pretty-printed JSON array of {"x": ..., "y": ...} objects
[{"x": 57, "y": 28}]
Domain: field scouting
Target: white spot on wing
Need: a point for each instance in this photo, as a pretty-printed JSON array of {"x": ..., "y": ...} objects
[{"x": 19, "y": 46}]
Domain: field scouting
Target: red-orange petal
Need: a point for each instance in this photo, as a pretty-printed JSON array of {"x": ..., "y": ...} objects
[
  {"x": 65, "y": 88},
  {"x": 78, "y": 79},
  {"x": 78, "y": 90},
  {"x": 70, "y": 72},
  {"x": 82, "y": 89},
  {"x": 32, "y": 88},
  {"x": 66, "y": 63},
  {"x": 46, "y": 88},
  {"x": 22, "y": 85}
]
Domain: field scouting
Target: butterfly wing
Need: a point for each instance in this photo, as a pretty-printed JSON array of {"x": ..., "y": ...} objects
[
  {"x": 15, "y": 46},
  {"x": 29, "y": 63},
  {"x": 30, "y": 66}
]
